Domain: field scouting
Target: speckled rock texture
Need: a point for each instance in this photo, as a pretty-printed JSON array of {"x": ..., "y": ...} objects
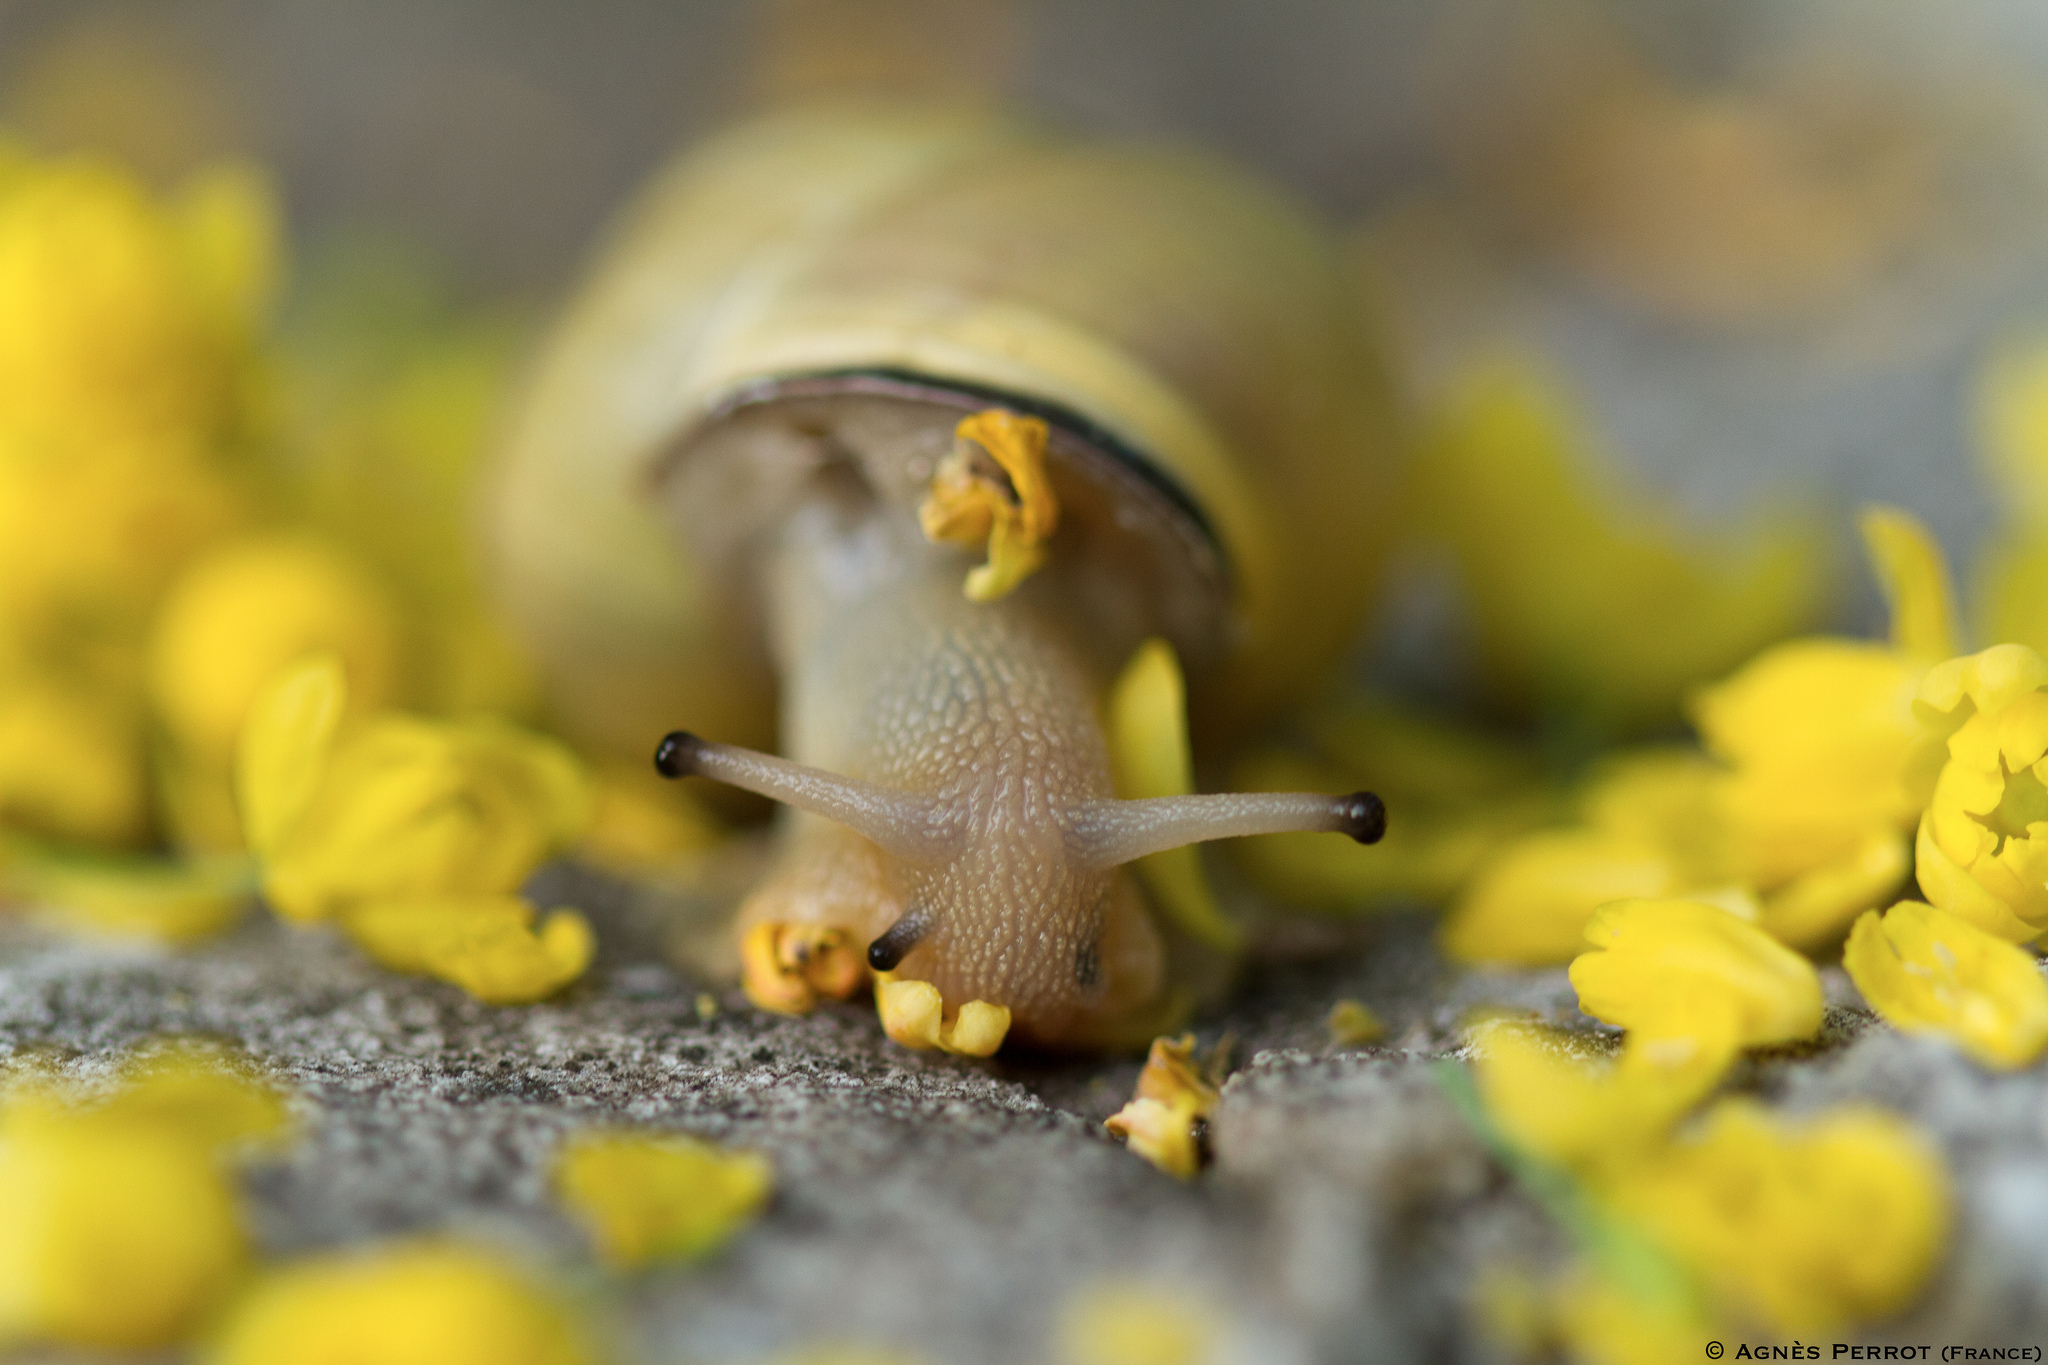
[{"x": 948, "y": 1209}]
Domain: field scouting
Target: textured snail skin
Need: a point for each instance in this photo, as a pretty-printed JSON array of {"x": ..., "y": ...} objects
[
  {"x": 892, "y": 675},
  {"x": 689, "y": 536}
]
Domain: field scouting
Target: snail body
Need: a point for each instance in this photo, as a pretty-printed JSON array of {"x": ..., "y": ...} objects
[{"x": 825, "y": 350}]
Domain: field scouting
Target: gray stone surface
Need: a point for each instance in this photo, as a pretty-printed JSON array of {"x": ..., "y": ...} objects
[{"x": 948, "y": 1208}]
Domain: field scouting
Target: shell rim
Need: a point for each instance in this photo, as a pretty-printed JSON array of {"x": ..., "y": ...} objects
[{"x": 895, "y": 382}]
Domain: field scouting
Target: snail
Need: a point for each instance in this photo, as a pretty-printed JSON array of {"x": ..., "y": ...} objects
[{"x": 831, "y": 359}]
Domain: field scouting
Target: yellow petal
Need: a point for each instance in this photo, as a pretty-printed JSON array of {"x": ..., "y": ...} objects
[
  {"x": 1550, "y": 1097},
  {"x": 283, "y": 747},
  {"x": 1812, "y": 911},
  {"x": 1149, "y": 756},
  {"x": 913, "y": 1014},
  {"x": 1926, "y": 971},
  {"x": 1687, "y": 969},
  {"x": 1987, "y": 681},
  {"x": 488, "y": 945},
  {"x": 166, "y": 901},
  {"x": 646, "y": 1197},
  {"x": 418, "y": 1301},
  {"x": 1169, "y": 1108},
  {"x": 1914, "y": 576},
  {"x": 2012, "y": 422},
  {"x": 1014, "y": 511},
  {"x": 1132, "y": 1324},
  {"x": 1953, "y": 889},
  {"x": 1530, "y": 906},
  {"x": 1805, "y": 1228}
]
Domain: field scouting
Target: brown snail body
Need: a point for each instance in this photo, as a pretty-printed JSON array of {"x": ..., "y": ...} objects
[{"x": 720, "y": 498}]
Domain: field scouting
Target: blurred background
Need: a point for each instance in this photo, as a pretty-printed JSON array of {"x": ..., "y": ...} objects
[{"x": 1766, "y": 246}]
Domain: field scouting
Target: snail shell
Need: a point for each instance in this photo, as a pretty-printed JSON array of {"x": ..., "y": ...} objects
[{"x": 742, "y": 410}]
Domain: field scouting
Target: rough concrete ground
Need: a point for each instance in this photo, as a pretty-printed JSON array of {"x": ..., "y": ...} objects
[{"x": 948, "y": 1209}]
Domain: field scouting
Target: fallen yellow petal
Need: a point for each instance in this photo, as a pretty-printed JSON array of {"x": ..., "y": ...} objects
[
  {"x": 488, "y": 945},
  {"x": 1169, "y": 1109},
  {"x": 399, "y": 1305},
  {"x": 786, "y": 968},
  {"x": 283, "y": 748},
  {"x": 647, "y": 1197},
  {"x": 1926, "y": 971},
  {"x": 1132, "y": 1324},
  {"x": 1531, "y": 904},
  {"x": 1676, "y": 968}
]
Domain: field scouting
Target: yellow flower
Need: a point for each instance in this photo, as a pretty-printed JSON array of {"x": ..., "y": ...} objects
[
  {"x": 1806, "y": 1228},
  {"x": 414, "y": 834},
  {"x": 640, "y": 822},
  {"x": 167, "y": 901},
  {"x": 122, "y": 1230},
  {"x": 488, "y": 945},
  {"x": 1602, "y": 1323},
  {"x": 993, "y": 490},
  {"x": 399, "y": 807},
  {"x": 1551, "y": 1099},
  {"x": 1927, "y": 971},
  {"x": 1133, "y": 1324},
  {"x": 1459, "y": 792},
  {"x": 118, "y": 313},
  {"x": 406, "y": 1304},
  {"x": 2012, "y": 423},
  {"x": 250, "y": 608},
  {"x": 1169, "y": 1110},
  {"x": 1587, "y": 604},
  {"x": 1648, "y": 830},
  {"x": 647, "y": 1197},
  {"x": 70, "y": 762},
  {"x": 1685, "y": 969},
  {"x": 1982, "y": 851}
]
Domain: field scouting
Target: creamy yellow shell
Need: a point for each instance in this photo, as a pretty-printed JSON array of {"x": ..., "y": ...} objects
[{"x": 1199, "y": 321}]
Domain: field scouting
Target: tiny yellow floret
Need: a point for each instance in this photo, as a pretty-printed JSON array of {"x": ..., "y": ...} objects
[
  {"x": 1677, "y": 968},
  {"x": 913, "y": 1014},
  {"x": 651, "y": 1196},
  {"x": 788, "y": 968},
  {"x": 1169, "y": 1109},
  {"x": 1010, "y": 508},
  {"x": 1350, "y": 1023},
  {"x": 1927, "y": 971},
  {"x": 421, "y": 1303}
]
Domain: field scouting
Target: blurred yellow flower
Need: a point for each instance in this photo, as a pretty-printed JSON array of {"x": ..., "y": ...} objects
[
  {"x": 1686, "y": 969},
  {"x": 639, "y": 822},
  {"x": 249, "y": 609},
  {"x": 172, "y": 902},
  {"x": 408, "y": 1304},
  {"x": 1587, "y": 605},
  {"x": 70, "y": 762},
  {"x": 1805, "y": 1228},
  {"x": 120, "y": 314},
  {"x": 1982, "y": 851},
  {"x": 1600, "y": 1322},
  {"x": 415, "y": 834},
  {"x": 1147, "y": 729},
  {"x": 646, "y": 1197},
  {"x": 1168, "y": 1111},
  {"x": 491, "y": 946},
  {"x": 1135, "y": 1324},
  {"x": 1459, "y": 790},
  {"x": 2012, "y": 426},
  {"x": 1927, "y": 971},
  {"x": 122, "y": 1230},
  {"x": 1552, "y": 1099}
]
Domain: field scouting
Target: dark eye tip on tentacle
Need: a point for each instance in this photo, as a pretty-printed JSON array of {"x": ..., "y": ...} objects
[
  {"x": 676, "y": 755},
  {"x": 1364, "y": 817},
  {"x": 897, "y": 940}
]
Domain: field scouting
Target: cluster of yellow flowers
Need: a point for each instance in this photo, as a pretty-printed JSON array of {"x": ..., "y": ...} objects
[
  {"x": 125, "y": 1232},
  {"x": 192, "y": 502}
]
